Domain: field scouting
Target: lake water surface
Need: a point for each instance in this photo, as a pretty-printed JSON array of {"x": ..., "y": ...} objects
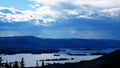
[{"x": 30, "y": 59}]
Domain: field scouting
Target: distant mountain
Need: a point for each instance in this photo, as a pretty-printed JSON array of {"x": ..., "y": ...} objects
[{"x": 30, "y": 42}]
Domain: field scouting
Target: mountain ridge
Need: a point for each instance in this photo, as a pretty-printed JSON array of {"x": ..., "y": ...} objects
[
  {"x": 56, "y": 38},
  {"x": 35, "y": 42}
]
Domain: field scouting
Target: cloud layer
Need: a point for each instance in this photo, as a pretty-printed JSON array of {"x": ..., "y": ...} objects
[
  {"x": 98, "y": 19},
  {"x": 46, "y": 12}
]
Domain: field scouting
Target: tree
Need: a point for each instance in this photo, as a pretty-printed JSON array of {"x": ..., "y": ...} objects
[
  {"x": 16, "y": 65},
  {"x": 43, "y": 64},
  {"x": 10, "y": 66},
  {"x": 22, "y": 63},
  {"x": 1, "y": 60},
  {"x": 6, "y": 65},
  {"x": 37, "y": 65}
]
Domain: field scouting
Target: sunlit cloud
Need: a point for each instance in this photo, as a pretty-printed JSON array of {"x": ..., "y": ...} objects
[{"x": 42, "y": 15}]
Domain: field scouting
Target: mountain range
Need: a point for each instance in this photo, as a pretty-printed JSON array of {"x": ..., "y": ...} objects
[{"x": 31, "y": 42}]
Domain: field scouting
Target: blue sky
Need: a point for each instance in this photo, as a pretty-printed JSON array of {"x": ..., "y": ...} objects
[
  {"x": 18, "y": 4},
  {"x": 88, "y": 19}
]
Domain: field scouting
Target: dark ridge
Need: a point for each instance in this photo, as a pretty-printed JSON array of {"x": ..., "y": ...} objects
[{"x": 28, "y": 42}]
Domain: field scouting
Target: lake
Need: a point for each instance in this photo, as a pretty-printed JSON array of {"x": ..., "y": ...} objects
[{"x": 30, "y": 59}]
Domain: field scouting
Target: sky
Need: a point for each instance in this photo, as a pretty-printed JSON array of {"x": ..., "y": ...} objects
[{"x": 86, "y": 19}]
